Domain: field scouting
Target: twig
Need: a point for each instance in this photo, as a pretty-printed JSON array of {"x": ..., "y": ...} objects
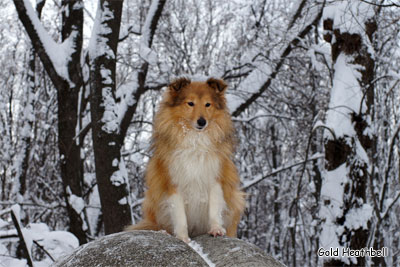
[
  {"x": 44, "y": 250},
  {"x": 21, "y": 238},
  {"x": 256, "y": 181}
]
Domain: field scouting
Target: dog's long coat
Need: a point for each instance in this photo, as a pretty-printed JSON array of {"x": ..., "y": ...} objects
[{"x": 193, "y": 186}]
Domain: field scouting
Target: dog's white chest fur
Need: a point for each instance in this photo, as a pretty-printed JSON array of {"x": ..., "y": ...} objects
[{"x": 194, "y": 168}]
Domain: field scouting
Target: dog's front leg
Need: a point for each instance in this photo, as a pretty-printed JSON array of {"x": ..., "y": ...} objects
[
  {"x": 178, "y": 217},
  {"x": 216, "y": 208}
]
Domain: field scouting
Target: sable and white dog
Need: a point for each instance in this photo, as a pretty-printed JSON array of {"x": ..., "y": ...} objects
[{"x": 193, "y": 185}]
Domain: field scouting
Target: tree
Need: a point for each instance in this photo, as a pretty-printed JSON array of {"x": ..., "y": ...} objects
[
  {"x": 111, "y": 116},
  {"x": 350, "y": 141},
  {"x": 61, "y": 62}
]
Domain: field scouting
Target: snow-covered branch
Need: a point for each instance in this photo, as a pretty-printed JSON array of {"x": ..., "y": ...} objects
[
  {"x": 263, "y": 75},
  {"x": 55, "y": 56}
]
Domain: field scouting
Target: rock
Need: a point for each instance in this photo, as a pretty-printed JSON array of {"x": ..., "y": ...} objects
[
  {"x": 150, "y": 248},
  {"x": 225, "y": 251}
]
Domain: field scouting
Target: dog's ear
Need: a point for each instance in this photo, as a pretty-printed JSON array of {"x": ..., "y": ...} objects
[
  {"x": 218, "y": 85},
  {"x": 178, "y": 84}
]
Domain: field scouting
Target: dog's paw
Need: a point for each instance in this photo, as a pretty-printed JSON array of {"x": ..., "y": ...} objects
[
  {"x": 217, "y": 230},
  {"x": 185, "y": 239}
]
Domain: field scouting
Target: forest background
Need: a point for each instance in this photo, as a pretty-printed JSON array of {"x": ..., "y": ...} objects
[{"x": 313, "y": 92}]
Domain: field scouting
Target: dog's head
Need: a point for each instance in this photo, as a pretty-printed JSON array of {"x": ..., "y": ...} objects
[{"x": 197, "y": 103}]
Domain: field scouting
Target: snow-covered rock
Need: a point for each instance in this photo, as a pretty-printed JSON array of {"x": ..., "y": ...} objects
[{"x": 150, "y": 248}]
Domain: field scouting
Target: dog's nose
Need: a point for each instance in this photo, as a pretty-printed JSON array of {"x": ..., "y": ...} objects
[{"x": 201, "y": 122}]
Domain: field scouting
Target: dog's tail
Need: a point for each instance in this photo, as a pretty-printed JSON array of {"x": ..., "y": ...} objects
[{"x": 143, "y": 225}]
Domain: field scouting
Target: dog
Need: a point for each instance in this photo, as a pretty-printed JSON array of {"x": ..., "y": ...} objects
[{"x": 193, "y": 184}]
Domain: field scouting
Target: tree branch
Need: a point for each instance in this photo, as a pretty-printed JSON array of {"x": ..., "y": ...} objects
[
  {"x": 37, "y": 43},
  {"x": 21, "y": 238},
  {"x": 283, "y": 57},
  {"x": 147, "y": 36},
  {"x": 284, "y": 168}
]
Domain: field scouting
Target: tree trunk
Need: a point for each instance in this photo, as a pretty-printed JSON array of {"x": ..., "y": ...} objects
[
  {"x": 67, "y": 96},
  {"x": 110, "y": 171},
  {"x": 109, "y": 127},
  {"x": 350, "y": 143}
]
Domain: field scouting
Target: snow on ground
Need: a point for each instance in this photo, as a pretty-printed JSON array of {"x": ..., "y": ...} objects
[{"x": 56, "y": 243}]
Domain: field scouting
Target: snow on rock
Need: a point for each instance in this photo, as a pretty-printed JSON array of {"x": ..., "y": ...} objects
[
  {"x": 199, "y": 250},
  {"x": 151, "y": 248}
]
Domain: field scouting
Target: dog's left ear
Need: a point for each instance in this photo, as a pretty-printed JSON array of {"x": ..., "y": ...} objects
[
  {"x": 178, "y": 84},
  {"x": 217, "y": 84}
]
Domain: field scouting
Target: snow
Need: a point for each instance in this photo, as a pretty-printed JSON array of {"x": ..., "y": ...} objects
[
  {"x": 57, "y": 243},
  {"x": 10, "y": 262},
  {"x": 145, "y": 50},
  {"x": 115, "y": 163},
  {"x": 120, "y": 176},
  {"x": 145, "y": 39},
  {"x": 98, "y": 43},
  {"x": 123, "y": 201},
  {"x": 358, "y": 217},
  {"x": 126, "y": 94},
  {"x": 199, "y": 250},
  {"x": 59, "y": 54},
  {"x": 346, "y": 97},
  {"x": 77, "y": 203},
  {"x": 16, "y": 209},
  {"x": 343, "y": 13},
  {"x": 148, "y": 54},
  {"x": 3, "y": 223},
  {"x": 332, "y": 191},
  {"x": 318, "y": 66},
  {"x": 110, "y": 118}
]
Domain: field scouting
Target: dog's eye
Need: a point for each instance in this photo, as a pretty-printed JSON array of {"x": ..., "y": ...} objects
[
  {"x": 207, "y": 105},
  {"x": 191, "y": 104}
]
